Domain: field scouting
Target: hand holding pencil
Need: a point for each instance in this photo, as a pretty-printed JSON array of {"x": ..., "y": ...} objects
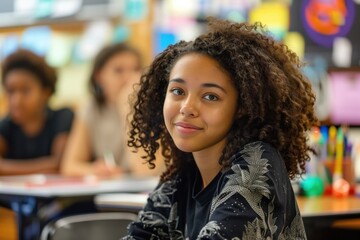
[{"x": 106, "y": 166}]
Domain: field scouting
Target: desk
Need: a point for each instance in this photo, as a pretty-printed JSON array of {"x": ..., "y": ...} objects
[
  {"x": 27, "y": 195},
  {"x": 320, "y": 213},
  {"x": 329, "y": 207}
]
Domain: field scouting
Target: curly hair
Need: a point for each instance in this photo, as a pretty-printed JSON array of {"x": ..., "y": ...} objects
[
  {"x": 276, "y": 102},
  {"x": 29, "y": 61}
]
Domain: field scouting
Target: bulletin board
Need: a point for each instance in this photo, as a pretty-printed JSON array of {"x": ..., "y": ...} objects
[{"x": 321, "y": 22}]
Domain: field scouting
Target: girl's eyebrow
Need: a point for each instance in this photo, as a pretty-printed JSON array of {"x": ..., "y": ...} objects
[
  {"x": 206, "y": 85},
  {"x": 178, "y": 80},
  {"x": 213, "y": 85}
]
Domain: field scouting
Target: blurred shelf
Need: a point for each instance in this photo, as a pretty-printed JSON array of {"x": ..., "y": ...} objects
[
  {"x": 344, "y": 69},
  {"x": 89, "y": 10}
]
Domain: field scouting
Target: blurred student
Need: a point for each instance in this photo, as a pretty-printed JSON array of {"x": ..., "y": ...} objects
[
  {"x": 97, "y": 144},
  {"x": 32, "y": 135}
]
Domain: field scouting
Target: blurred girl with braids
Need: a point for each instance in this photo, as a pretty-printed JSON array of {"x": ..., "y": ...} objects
[{"x": 231, "y": 111}]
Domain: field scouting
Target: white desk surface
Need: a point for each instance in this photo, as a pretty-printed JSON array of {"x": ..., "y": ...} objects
[
  {"x": 38, "y": 186},
  {"x": 121, "y": 200}
]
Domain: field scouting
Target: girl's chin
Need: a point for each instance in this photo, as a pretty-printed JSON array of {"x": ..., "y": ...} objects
[{"x": 186, "y": 149}]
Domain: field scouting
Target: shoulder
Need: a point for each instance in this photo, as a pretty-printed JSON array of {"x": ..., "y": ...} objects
[
  {"x": 62, "y": 114},
  {"x": 6, "y": 124},
  {"x": 61, "y": 119},
  {"x": 257, "y": 153},
  {"x": 89, "y": 110},
  {"x": 90, "y": 105},
  {"x": 257, "y": 164}
]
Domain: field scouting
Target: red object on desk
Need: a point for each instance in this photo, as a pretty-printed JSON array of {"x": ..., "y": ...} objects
[
  {"x": 72, "y": 182},
  {"x": 328, "y": 190},
  {"x": 40, "y": 180}
]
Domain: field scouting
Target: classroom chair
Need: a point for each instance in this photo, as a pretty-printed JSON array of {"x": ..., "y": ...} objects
[{"x": 105, "y": 226}]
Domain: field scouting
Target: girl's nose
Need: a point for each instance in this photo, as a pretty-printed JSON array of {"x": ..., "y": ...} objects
[{"x": 188, "y": 109}]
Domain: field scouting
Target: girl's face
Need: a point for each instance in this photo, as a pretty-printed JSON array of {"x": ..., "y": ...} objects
[
  {"x": 119, "y": 71},
  {"x": 26, "y": 96},
  {"x": 200, "y": 104}
]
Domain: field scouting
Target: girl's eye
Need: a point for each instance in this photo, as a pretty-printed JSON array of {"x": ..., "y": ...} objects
[
  {"x": 211, "y": 97},
  {"x": 177, "y": 91}
]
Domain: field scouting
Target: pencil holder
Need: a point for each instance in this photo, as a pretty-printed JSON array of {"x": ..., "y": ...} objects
[{"x": 348, "y": 174}]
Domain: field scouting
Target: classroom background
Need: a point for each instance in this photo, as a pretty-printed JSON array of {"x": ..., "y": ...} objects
[
  {"x": 325, "y": 34},
  {"x": 68, "y": 33}
]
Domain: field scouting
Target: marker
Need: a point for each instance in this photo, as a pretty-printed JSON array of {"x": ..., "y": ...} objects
[
  {"x": 341, "y": 187},
  {"x": 323, "y": 143},
  {"x": 339, "y": 154},
  {"x": 332, "y": 142}
]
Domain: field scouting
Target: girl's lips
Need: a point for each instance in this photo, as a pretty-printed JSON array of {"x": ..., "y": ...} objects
[
  {"x": 187, "y": 125},
  {"x": 186, "y": 128}
]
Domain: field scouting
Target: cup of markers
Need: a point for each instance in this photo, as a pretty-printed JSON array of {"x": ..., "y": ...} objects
[{"x": 330, "y": 170}]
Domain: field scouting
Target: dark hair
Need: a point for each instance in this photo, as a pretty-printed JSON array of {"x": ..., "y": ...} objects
[
  {"x": 29, "y": 61},
  {"x": 101, "y": 59},
  {"x": 276, "y": 102}
]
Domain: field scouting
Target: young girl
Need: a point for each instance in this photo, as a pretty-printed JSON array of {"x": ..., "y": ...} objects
[
  {"x": 231, "y": 111},
  {"x": 32, "y": 136},
  {"x": 97, "y": 143}
]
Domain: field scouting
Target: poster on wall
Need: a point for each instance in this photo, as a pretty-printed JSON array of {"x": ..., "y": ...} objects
[
  {"x": 326, "y": 25},
  {"x": 37, "y": 39},
  {"x": 344, "y": 91}
]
